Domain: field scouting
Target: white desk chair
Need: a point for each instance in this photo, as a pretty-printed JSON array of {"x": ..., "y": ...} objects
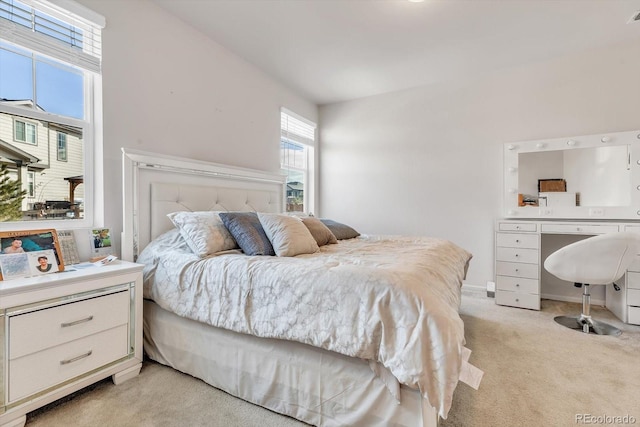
[{"x": 598, "y": 260}]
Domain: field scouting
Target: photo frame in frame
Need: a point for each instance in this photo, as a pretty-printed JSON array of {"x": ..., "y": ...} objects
[{"x": 36, "y": 244}]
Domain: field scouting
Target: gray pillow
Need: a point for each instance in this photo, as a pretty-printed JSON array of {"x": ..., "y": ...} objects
[
  {"x": 319, "y": 231},
  {"x": 341, "y": 231},
  {"x": 246, "y": 229}
]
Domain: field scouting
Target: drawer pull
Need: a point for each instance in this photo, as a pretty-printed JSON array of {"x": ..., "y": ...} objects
[
  {"x": 517, "y": 255},
  {"x": 76, "y": 322},
  {"x": 517, "y": 299},
  {"x": 75, "y": 359},
  {"x": 517, "y": 241},
  {"x": 517, "y": 285}
]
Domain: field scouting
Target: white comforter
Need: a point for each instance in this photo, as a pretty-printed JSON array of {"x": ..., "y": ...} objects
[{"x": 393, "y": 300}]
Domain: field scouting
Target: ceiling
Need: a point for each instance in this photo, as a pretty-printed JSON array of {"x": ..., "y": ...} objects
[{"x": 335, "y": 50}]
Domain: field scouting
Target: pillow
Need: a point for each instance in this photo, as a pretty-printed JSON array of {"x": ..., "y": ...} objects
[
  {"x": 245, "y": 227},
  {"x": 288, "y": 235},
  {"x": 204, "y": 232},
  {"x": 341, "y": 231},
  {"x": 319, "y": 231}
]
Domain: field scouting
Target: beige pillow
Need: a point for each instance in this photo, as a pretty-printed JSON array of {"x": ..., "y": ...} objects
[
  {"x": 319, "y": 231},
  {"x": 203, "y": 231},
  {"x": 288, "y": 235}
]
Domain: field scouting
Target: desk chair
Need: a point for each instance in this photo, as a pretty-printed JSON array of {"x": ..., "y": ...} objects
[{"x": 598, "y": 260}]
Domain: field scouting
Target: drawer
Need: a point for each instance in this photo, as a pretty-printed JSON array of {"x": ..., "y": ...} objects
[
  {"x": 633, "y": 280},
  {"x": 517, "y": 226},
  {"x": 634, "y": 315},
  {"x": 517, "y": 269},
  {"x": 636, "y": 265},
  {"x": 38, "y": 330},
  {"x": 529, "y": 256},
  {"x": 516, "y": 240},
  {"x": 578, "y": 228},
  {"x": 633, "y": 297},
  {"x": 39, "y": 371},
  {"x": 517, "y": 284},
  {"x": 517, "y": 299}
]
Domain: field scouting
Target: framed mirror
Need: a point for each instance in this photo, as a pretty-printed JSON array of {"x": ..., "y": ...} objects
[{"x": 581, "y": 177}]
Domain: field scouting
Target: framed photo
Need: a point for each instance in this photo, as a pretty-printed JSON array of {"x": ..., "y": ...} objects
[
  {"x": 33, "y": 248},
  {"x": 101, "y": 243}
]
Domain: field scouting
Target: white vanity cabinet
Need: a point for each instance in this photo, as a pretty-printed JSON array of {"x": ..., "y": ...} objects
[
  {"x": 63, "y": 331},
  {"x": 517, "y": 258},
  {"x": 519, "y": 264}
]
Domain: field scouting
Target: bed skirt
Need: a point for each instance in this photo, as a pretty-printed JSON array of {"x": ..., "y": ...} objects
[{"x": 313, "y": 385}]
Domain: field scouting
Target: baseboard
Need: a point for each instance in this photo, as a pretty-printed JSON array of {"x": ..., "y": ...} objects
[{"x": 471, "y": 287}]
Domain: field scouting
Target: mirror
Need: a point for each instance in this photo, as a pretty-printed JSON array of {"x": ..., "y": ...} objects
[{"x": 593, "y": 176}]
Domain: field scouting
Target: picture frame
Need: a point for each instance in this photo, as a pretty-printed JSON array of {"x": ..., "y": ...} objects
[
  {"x": 100, "y": 243},
  {"x": 35, "y": 244}
]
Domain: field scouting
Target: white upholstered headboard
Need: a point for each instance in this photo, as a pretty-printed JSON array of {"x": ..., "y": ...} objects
[{"x": 155, "y": 185}]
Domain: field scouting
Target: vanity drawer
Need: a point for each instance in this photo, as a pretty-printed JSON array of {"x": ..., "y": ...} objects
[
  {"x": 578, "y": 228},
  {"x": 635, "y": 266},
  {"x": 634, "y": 315},
  {"x": 518, "y": 299},
  {"x": 517, "y": 269},
  {"x": 38, "y": 330},
  {"x": 633, "y": 280},
  {"x": 516, "y": 240},
  {"x": 633, "y": 297},
  {"x": 517, "y": 226},
  {"x": 517, "y": 284},
  {"x": 529, "y": 256},
  {"x": 39, "y": 371}
]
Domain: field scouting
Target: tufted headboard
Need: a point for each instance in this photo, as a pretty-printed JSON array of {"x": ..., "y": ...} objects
[{"x": 155, "y": 185}]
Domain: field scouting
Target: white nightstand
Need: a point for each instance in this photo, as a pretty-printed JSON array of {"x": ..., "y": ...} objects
[{"x": 63, "y": 331}]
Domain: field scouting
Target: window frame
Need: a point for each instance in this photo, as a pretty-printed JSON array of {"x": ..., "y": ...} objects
[
  {"x": 25, "y": 123},
  {"x": 31, "y": 185},
  {"x": 58, "y": 140},
  {"x": 91, "y": 125},
  {"x": 309, "y": 173}
]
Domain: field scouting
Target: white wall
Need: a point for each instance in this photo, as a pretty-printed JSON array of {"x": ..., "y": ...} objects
[
  {"x": 169, "y": 89},
  {"x": 429, "y": 160}
]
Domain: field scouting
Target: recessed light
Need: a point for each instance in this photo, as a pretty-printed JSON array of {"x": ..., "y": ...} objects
[{"x": 416, "y": 1}]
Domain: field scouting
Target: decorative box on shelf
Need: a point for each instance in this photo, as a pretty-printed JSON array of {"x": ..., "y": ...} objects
[{"x": 61, "y": 332}]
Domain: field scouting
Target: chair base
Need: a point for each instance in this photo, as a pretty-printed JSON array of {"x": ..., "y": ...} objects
[{"x": 580, "y": 323}]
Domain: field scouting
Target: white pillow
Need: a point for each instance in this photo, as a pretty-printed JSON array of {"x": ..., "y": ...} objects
[
  {"x": 288, "y": 235},
  {"x": 204, "y": 232}
]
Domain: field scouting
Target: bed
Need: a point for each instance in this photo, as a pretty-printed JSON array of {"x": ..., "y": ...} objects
[{"x": 364, "y": 331}]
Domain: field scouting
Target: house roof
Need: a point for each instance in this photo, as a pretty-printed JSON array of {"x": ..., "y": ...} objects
[{"x": 16, "y": 155}]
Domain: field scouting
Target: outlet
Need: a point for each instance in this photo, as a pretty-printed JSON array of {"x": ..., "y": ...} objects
[
  {"x": 545, "y": 212},
  {"x": 491, "y": 289},
  {"x": 596, "y": 212}
]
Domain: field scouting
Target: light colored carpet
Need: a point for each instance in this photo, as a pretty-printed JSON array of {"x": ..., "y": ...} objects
[{"x": 537, "y": 373}]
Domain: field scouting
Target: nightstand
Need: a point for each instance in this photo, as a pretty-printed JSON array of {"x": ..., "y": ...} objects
[{"x": 63, "y": 331}]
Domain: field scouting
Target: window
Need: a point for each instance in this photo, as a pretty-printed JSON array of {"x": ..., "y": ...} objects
[
  {"x": 24, "y": 132},
  {"x": 50, "y": 89},
  {"x": 62, "y": 147},
  {"x": 31, "y": 184},
  {"x": 297, "y": 143}
]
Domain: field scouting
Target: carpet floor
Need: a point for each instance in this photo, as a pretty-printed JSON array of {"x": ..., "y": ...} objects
[{"x": 536, "y": 373}]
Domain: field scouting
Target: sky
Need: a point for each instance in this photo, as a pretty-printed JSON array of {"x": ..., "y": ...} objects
[{"x": 58, "y": 89}]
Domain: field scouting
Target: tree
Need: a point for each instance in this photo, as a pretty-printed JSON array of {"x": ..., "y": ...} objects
[{"x": 10, "y": 196}]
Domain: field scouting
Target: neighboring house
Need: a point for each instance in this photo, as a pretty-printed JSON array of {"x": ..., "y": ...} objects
[
  {"x": 295, "y": 196},
  {"x": 46, "y": 157}
]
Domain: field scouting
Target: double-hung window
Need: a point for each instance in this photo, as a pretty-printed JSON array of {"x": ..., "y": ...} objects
[
  {"x": 62, "y": 147},
  {"x": 24, "y": 132},
  {"x": 297, "y": 145},
  {"x": 50, "y": 104}
]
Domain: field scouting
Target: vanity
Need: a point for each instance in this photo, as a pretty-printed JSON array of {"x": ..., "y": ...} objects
[{"x": 559, "y": 191}]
